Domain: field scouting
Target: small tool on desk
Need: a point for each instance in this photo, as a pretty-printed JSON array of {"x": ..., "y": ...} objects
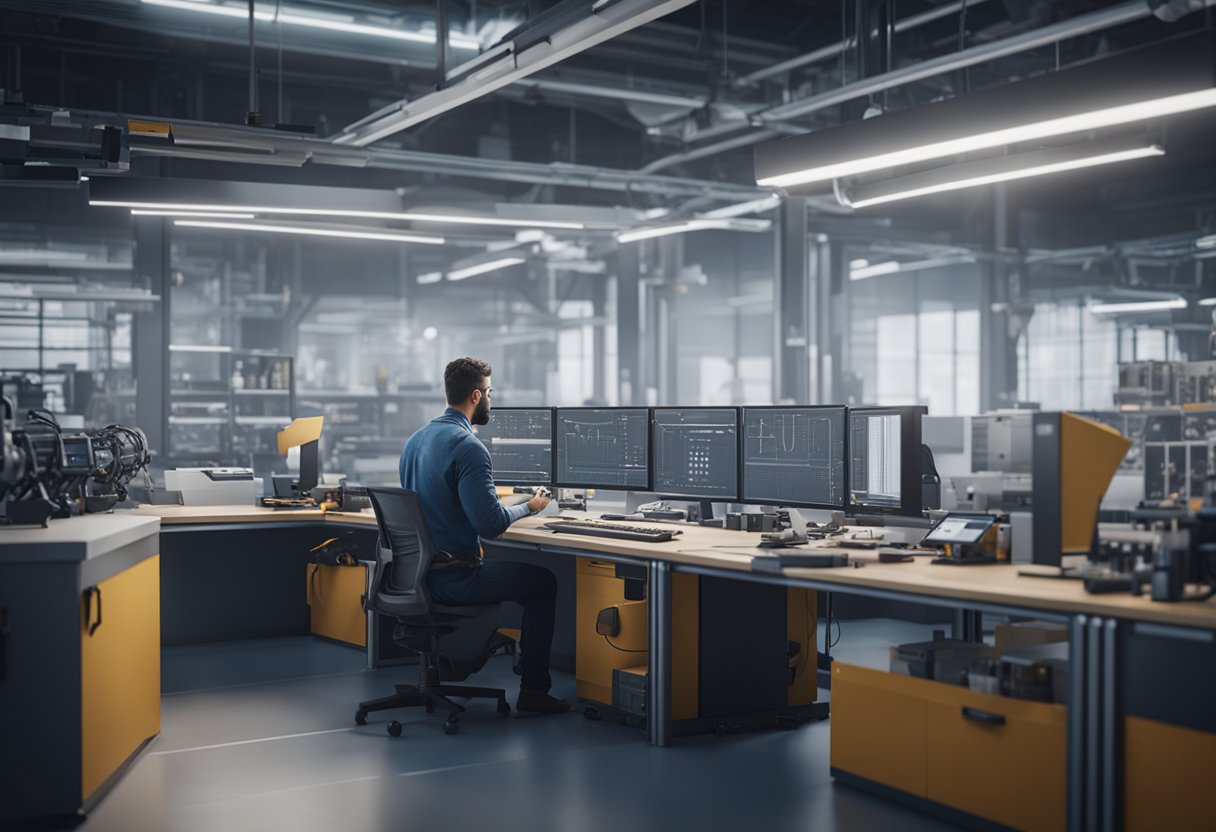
[{"x": 801, "y": 560}]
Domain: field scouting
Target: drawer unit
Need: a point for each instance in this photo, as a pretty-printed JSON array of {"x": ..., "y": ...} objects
[
  {"x": 1167, "y": 771},
  {"x": 991, "y": 757},
  {"x": 335, "y": 609}
]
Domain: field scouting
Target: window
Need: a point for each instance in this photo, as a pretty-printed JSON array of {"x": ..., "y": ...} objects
[{"x": 1067, "y": 358}]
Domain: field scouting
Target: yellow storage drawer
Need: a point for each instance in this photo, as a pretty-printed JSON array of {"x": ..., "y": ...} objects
[
  {"x": 120, "y": 670},
  {"x": 1167, "y": 771},
  {"x": 998, "y": 758},
  {"x": 878, "y": 727},
  {"x": 598, "y": 588},
  {"x": 335, "y": 610}
]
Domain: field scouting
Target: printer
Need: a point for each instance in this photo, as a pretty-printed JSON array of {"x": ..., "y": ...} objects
[{"x": 213, "y": 486}]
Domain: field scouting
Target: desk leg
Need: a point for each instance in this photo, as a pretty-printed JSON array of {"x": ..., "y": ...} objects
[
  {"x": 1112, "y": 751},
  {"x": 658, "y": 686},
  {"x": 1077, "y": 667},
  {"x": 1093, "y": 724}
]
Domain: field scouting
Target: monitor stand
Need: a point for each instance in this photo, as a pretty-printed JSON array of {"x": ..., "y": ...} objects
[{"x": 705, "y": 509}]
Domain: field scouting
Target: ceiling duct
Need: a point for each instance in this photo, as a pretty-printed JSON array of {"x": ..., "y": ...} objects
[{"x": 565, "y": 30}]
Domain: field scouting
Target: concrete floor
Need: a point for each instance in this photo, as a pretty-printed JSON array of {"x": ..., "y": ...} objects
[{"x": 259, "y": 735}]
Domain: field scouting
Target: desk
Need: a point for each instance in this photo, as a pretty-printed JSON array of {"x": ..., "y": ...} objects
[
  {"x": 1098, "y": 624},
  {"x": 79, "y": 659}
]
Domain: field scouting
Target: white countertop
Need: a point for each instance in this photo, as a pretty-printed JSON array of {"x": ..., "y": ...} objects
[{"x": 74, "y": 538}]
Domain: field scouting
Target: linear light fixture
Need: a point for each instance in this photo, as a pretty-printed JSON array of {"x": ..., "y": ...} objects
[
  {"x": 298, "y": 17},
  {"x": 755, "y": 206},
  {"x": 1207, "y": 301},
  {"x": 313, "y": 232},
  {"x": 1206, "y": 242},
  {"x": 665, "y": 230},
  {"x": 403, "y": 216},
  {"x": 197, "y": 348},
  {"x": 482, "y": 268},
  {"x": 1138, "y": 306},
  {"x": 429, "y": 277},
  {"x": 862, "y": 269},
  {"x": 139, "y": 212},
  {"x": 1003, "y": 169},
  {"x": 1164, "y": 79}
]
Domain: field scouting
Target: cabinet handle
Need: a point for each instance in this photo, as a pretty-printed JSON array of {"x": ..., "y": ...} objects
[
  {"x": 88, "y": 609},
  {"x": 986, "y": 717}
]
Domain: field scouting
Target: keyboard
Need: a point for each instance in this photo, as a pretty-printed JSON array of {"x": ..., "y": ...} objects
[{"x": 596, "y": 528}]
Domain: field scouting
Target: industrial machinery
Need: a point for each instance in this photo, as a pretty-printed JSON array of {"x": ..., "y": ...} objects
[{"x": 46, "y": 473}]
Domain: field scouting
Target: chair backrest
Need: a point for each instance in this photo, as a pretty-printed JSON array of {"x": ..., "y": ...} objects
[{"x": 406, "y": 553}]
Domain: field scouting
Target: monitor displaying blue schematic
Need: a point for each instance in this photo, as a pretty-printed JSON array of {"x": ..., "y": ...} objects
[
  {"x": 794, "y": 456},
  {"x": 520, "y": 442},
  {"x": 885, "y": 459},
  {"x": 696, "y": 452},
  {"x": 603, "y": 448}
]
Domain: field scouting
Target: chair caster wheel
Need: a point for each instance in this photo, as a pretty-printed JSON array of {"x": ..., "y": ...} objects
[
  {"x": 360, "y": 717},
  {"x": 503, "y": 708},
  {"x": 591, "y": 714},
  {"x": 394, "y": 728},
  {"x": 450, "y": 726}
]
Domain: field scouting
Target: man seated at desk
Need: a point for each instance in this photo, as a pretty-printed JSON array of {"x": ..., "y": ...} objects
[{"x": 449, "y": 468}]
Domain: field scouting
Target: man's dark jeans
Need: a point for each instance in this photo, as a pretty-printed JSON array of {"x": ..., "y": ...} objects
[{"x": 532, "y": 587}]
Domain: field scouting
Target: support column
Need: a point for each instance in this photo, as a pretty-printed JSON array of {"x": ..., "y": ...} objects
[
  {"x": 998, "y": 338},
  {"x": 150, "y": 331},
  {"x": 628, "y": 324},
  {"x": 792, "y": 306}
]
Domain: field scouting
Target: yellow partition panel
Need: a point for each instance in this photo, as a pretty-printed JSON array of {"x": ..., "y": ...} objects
[
  {"x": 120, "y": 670},
  {"x": 878, "y": 727},
  {"x": 1167, "y": 776},
  {"x": 333, "y": 596}
]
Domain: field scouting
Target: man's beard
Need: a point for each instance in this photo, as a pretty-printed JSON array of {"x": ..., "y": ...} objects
[{"x": 481, "y": 415}]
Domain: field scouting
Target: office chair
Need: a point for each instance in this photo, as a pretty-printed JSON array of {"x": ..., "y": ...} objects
[{"x": 399, "y": 591}]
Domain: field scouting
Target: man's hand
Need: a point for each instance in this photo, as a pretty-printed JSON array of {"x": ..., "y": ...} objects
[{"x": 537, "y": 504}]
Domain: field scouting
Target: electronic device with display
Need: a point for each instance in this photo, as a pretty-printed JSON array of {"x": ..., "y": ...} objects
[
  {"x": 77, "y": 458},
  {"x": 602, "y": 447},
  {"x": 964, "y": 539},
  {"x": 696, "y": 454},
  {"x": 794, "y": 456},
  {"x": 885, "y": 460},
  {"x": 520, "y": 442}
]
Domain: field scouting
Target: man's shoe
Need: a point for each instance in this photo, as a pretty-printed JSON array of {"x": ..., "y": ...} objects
[{"x": 536, "y": 702}]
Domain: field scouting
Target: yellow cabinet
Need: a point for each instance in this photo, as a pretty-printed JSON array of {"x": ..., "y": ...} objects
[
  {"x": 334, "y": 600},
  {"x": 990, "y": 756},
  {"x": 1167, "y": 772},
  {"x": 998, "y": 758},
  {"x": 120, "y": 670},
  {"x": 878, "y": 728}
]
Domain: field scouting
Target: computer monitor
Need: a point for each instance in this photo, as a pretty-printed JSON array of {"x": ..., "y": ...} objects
[
  {"x": 304, "y": 433},
  {"x": 602, "y": 447},
  {"x": 696, "y": 452},
  {"x": 885, "y": 460},
  {"x": 794, "y": 456},
  {"x": 520, "y": 442}
]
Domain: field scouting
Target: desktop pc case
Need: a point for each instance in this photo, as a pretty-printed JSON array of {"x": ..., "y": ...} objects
[{"x": 723, "y": 675}]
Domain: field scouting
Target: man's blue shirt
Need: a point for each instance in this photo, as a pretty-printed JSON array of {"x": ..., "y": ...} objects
[{"x": 449, "y": 468}]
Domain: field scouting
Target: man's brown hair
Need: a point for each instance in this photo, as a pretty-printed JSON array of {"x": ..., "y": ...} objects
[{"x": 462, "y": 376}]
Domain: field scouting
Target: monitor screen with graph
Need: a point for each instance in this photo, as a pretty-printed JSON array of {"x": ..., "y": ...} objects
[
  {"x": 794, "y": 456},
  {"x": 885, "y": 460},
  {"x": 696, "y": 452},
  {"x": 603, "y": 447},
  {"x": 520, "y": 442}
]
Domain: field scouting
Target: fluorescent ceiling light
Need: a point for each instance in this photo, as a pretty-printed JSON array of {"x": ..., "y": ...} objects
[
  {"x": 1081, "y": 122},
  {"x": 1207, "y": 301},
  {"x": 197, "y": 348},
  {"x": 297, "y": 17},
  {"x": 482, "y": 268},
  {"x": 403, "y": 216},
  {"x": 138, "y": 212},
  {"x": 312, "y": 232},
  {"x": 861, "y": 269},
  {"x": 1206, "y": 242},
  {"x": 1006, "y": 175},
  {"x": 665, "y": 230},
  {"x": 1138, "y": 306},
  {"x": 862, "y": 272},
  {"x": 755, "y": 206},
  {"x": 429, "y": 277}
]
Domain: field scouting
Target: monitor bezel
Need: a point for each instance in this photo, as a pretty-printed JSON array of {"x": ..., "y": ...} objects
[
  {"x": 552, "y": 448},
  {"x": 747, "y": 500},
  {"x": 674, "y": 495},
  {"x": 558, "y": 483},
  {"x": 910, "y": 442}
]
